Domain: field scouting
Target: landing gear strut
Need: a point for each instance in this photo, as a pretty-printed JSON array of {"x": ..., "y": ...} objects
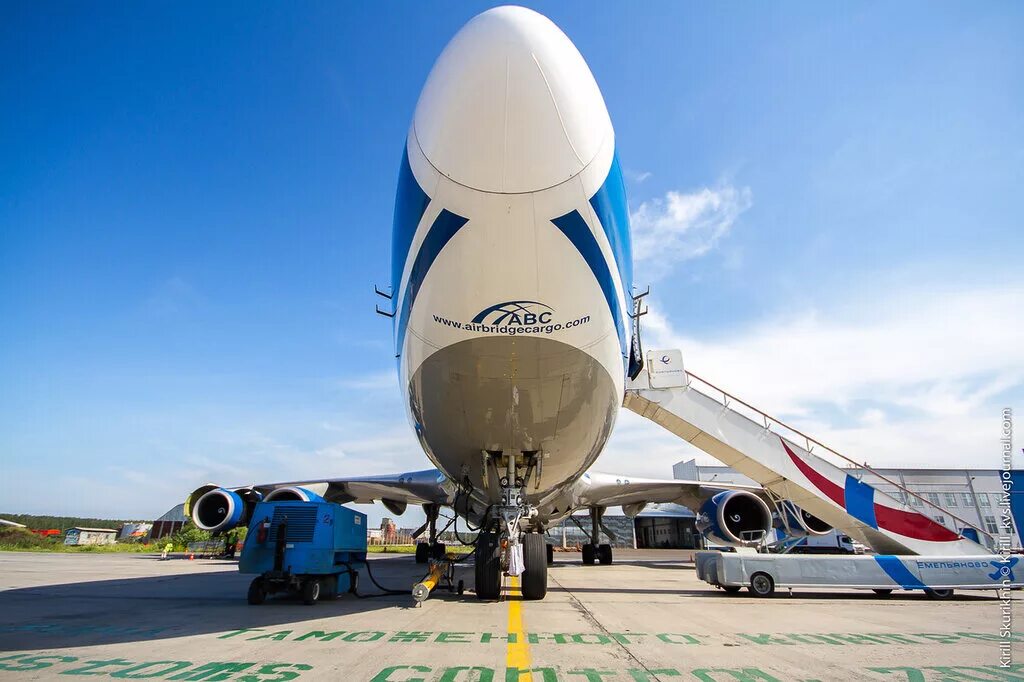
[
  {"x": 597, "y": 551},
  {"x": 432, "y": 549}
]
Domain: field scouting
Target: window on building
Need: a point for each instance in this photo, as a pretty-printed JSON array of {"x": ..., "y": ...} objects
[
  {"x": 940, "y": 518},
  {"x": 933, "y": 498},
  {"x": 916, "y": 501},
  {"x": 967, "y": 499},
  {"x": 983, "y": 500},
  {"x": 950, "y": 499},
  {"x": 990, "y": 525}
]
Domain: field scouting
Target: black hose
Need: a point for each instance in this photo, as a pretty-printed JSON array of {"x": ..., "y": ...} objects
[
  {"x": 469, "y": 525},
  {"x": 384, "y": 592}
]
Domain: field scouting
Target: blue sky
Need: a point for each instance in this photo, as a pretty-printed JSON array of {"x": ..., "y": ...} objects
[{"x": 196, "y": 201}]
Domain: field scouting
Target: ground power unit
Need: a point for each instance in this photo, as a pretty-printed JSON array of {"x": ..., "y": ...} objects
[{"x": 314, "y": 549}]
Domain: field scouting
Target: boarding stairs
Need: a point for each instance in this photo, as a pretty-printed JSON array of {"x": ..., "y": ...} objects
[{"x": 793, "y": 466}]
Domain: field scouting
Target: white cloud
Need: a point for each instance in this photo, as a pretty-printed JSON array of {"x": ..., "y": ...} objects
[
  {"x": 637, "y": 177},
  {"x": 917, "y": 376},
  {"x": 684, "y": 225}
]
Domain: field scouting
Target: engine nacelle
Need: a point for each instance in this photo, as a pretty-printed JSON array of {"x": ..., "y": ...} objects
[
  {"x": 631, "y": 510},
  {"x": 219, "y": 509},
  {"x": 797, "y": 521},
  {"x": 734, "y": 518},
  {"x": 292, "y": 493}
]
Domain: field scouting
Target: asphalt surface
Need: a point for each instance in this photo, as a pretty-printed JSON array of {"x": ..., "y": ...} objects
[{"x": 645, "y": 617}]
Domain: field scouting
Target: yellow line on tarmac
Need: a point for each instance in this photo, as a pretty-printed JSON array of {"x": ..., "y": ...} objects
[{"x": 518, "y": 654}]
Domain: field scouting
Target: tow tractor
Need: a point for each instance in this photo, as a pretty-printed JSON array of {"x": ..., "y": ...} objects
[{"x": 314, "y": 549}]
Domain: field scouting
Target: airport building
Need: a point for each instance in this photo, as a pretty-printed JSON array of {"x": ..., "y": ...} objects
[
  {"x": 967, "y": 497},
  {"x": 90, "y": 536},
  {"x": 170, "y": 523}
]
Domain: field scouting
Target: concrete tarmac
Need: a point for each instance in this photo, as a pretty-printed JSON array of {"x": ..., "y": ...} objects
[{"x": 646, "y": 617}]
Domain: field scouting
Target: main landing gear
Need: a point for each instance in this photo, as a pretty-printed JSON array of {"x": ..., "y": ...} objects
[
  {"x": 510, "y": 541},
  {"x": 432, "y": 549},
  {"x": 595, "y": 552}
]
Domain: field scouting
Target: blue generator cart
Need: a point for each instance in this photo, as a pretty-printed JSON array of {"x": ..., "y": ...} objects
[{"x": 314, "y": 549}]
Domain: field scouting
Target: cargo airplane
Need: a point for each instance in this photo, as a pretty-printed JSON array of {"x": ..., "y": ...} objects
[{"x": 513, "y": 313}]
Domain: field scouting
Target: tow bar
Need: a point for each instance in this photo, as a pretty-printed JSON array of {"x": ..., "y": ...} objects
[{"x": 440, "y": 574}]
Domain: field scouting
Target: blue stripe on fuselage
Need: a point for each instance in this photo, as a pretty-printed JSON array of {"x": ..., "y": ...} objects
[
  {"x": 410, "y": 203},
  {"x": 444, "y": 228},
  {"x": 609, "y": 204},
  {"x": 575, "y": 228}
]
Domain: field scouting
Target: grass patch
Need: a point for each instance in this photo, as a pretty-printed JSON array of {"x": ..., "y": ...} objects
[
  {"x": 391, "y": 549},
  {"x": 454, "y": 552}
]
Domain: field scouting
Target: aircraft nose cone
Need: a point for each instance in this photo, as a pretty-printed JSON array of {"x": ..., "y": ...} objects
[{"x": 511, "y": 106}]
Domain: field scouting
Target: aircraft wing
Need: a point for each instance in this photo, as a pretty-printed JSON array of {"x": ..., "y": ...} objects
[
  {"x": 394, "y": 490},
  {"x": 609, "y": 490}
]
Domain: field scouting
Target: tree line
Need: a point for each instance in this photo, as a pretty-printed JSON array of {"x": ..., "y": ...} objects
[{"x": 44, "y": 522}]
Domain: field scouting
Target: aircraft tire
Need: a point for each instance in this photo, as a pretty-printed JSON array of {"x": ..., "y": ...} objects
[
  {"x": 589, "y": 554},
  {"x": 604, "y": 554},
  {"x": 535, "y": 560},
  {"x": 488, "y": 566},
  {"x": 551, "y": 555},
  {"x": 422, "y": 552},
  {"x": 438, "y": 551}
]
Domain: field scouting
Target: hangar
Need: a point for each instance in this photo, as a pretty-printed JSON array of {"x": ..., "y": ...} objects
[
  {"x": 660, "y": 526},
  {"x": 168, "y": 524}
]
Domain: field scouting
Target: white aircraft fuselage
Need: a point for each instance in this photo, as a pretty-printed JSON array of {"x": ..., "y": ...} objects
[{"x": 511, "y": 258}]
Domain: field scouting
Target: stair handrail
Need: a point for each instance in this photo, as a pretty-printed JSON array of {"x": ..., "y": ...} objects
[{"x": 861, "y": 466}]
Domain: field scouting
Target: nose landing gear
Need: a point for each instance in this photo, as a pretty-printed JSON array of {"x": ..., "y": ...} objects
[{"x": 507, "y": 547}]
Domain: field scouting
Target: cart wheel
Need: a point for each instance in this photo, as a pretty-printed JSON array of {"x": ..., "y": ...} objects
[
  {"x": 882, "y": 592},
  {"x": 329, "y": 587},
  {"x": 939, "y": 594},
  {"x": 353, "y": 579},
  {"x": 461, "y": 587},
  {"x": 762, "y": 585},
  {"x": 731, "y": 589},
  {"x": 310, "y": 591},
  {"x": 257, "y": 591}
]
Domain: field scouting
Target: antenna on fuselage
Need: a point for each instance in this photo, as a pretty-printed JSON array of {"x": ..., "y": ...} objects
[{"x": 388, "y": 295}]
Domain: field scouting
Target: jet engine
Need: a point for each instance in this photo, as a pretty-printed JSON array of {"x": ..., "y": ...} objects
[
  {"x": 734, "y": 518},
  {"x": 796, "y": 522},
  {"x": 218, "y": 509},
  {"x": 292, "y": 493}
]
